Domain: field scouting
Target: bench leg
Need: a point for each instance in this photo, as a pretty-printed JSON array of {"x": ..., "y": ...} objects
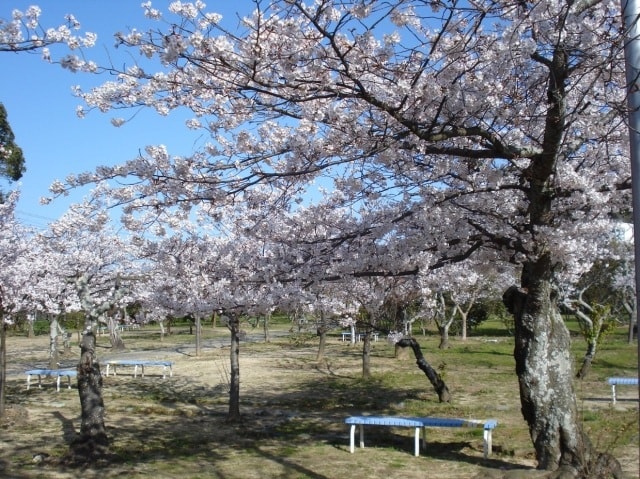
[
  {"x": 487, "y": 446},
  {"x": 613, "y": 393},
  {"x": 417, "y": 441},
  {"x": 58, "y": 384},
  {"x": 28, "y": 381},
  {"x": 361, "y": 426},
  {"x": 352, "y": 438}
]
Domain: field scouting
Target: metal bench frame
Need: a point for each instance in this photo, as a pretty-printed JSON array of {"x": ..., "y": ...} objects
[
  {"x": 68, "y": 373},
  {"x": 613, "y": 382},
  {"x": 419, "y": 424}
]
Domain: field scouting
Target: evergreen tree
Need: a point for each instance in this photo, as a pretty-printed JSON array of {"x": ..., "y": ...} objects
[{"x": 11, "y": 157}]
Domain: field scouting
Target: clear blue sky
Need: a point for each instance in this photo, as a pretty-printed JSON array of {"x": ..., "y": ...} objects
[{"x": 41, "y": 107}]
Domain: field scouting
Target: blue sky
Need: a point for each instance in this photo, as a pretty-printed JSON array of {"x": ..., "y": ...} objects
[{"x": 41, "y": 107}]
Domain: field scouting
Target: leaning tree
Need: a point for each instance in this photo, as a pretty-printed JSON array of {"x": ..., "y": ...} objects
[{"x": 448, "y": 129}]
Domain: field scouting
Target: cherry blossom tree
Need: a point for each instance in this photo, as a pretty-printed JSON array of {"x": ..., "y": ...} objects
[
  {"x": 14, "y": 276},
  {"x": 98, "y": 267},
  {"x": 490, "y": 129}
]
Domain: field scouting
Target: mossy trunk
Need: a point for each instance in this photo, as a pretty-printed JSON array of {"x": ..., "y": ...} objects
[{"x": 545, "y": 376}]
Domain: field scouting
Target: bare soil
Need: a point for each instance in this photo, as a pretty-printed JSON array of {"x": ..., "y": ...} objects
[{"x": 293, "y": 414}]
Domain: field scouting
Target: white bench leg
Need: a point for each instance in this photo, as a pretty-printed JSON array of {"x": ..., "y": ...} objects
[
  {"x": 28, "y": 381},
  {"x": 58, "y": 384},
  {"x": 417, "y": 441},
  {"x": 613, "y": 393},
  {"x": 352, "y": 438},
  {"x": 361, "y": 426},
  {"x": 487, "y": 446}
]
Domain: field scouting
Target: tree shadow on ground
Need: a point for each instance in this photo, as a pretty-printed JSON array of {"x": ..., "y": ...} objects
[{"x": 150, "y": 419}]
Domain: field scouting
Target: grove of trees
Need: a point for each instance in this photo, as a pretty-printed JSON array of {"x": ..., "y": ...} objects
[{"x": 358, "y": 149}]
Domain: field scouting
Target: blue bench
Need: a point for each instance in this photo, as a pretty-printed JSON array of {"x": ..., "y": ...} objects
[
  {"x": 68, "y": 373},
  {"x": 613, "y": 382},
  {"x": 139, "y": 363},
  {"x": 420, "y": 424}
]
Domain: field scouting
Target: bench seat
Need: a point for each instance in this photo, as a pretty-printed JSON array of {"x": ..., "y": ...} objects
[
  {"x": 58, "y": 373},
  {"x": 617, "y": 381},
  {"x": 420, "y": 424}
]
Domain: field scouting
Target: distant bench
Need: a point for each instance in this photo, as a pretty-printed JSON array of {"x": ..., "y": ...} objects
[
  {"x": 613, "y": 382},
  {"x": 166, "y": 366},
  {"x": 419, "y": 423},
  {"x": 68, "y": 373},
  {"x": 346, "y": 336}
]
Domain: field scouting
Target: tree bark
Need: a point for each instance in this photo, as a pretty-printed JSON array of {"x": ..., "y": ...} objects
[
  {"x": 366, "y": 356},
  {"x": 433, "y": 377},
  {"x": 544, "y": 369},
  {"x": 265, "y": 328},
  {"x": 444, "y": 336},
  {"x": 198, "y": 321},
  {"x": 92, "y": 442},
  {"x": 54, "y": 329},
  {"x": 322, "y": 346},
  {"x": 114, "y": 335},
  {"x": 234, "y": 383}
]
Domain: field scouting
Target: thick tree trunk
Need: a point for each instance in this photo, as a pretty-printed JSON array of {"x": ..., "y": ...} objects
[
  {"x": 433, "y": 377},
  {"x": 545, "y": 376},
  {"x": 92, "y": 442},
  {"x": 234, "y": 385}
]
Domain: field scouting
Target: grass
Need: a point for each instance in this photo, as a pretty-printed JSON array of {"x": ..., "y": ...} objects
[{"x": 293, "y": 410}]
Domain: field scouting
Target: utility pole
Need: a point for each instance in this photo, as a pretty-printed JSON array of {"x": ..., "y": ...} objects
[{"x": 630, "y": 17}]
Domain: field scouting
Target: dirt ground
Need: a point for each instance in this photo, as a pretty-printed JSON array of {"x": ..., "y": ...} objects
[{"x": 293, "y": 416}]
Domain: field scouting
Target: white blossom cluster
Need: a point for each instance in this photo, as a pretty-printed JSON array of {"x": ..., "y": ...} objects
[{"x": 360, "y": 152}]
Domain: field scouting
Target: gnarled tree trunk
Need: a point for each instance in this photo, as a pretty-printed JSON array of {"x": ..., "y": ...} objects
[
  {"x": 92, "y": 442},
  {"x": 545, "y": 374}
]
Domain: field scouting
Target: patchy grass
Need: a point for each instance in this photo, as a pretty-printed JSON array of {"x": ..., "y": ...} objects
[{"x": 293, "y": 410}]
